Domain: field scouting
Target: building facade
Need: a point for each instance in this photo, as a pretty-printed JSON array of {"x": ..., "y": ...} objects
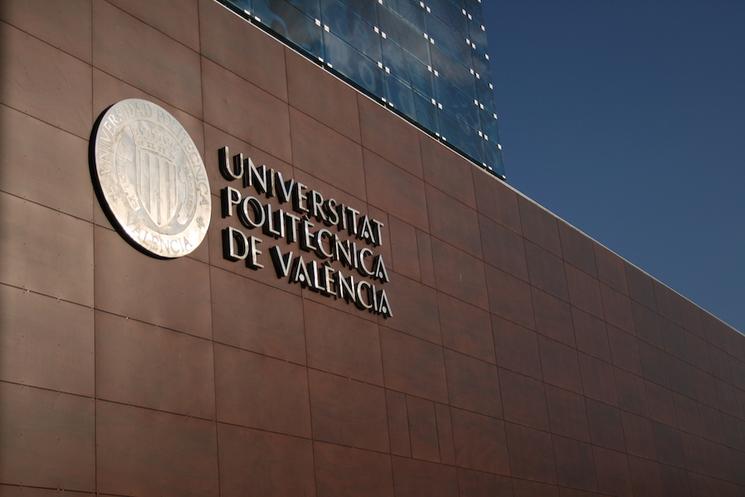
[{"x": 430, "y": 332}]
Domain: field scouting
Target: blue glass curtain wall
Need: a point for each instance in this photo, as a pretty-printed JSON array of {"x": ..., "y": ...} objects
[{"x": 426, "y": 60}]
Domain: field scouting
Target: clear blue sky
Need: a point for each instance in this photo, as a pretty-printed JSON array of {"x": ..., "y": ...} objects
[{"x": 627, "y": 119}]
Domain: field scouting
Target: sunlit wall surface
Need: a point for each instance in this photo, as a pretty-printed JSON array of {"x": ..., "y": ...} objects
[{"x": 427, "y": 60}]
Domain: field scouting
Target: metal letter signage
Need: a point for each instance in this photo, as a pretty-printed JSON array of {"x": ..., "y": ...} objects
[
  {"x": 338, "y": 240},
  {"x": 150, "y": 178}
]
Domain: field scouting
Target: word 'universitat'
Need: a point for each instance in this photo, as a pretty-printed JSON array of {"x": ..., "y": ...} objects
[{"x": 340, "y": 237}]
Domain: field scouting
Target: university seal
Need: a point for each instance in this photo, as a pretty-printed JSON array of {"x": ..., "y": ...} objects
[{"x": 150, "y": 178}]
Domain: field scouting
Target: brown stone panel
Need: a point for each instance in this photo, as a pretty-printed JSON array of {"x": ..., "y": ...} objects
[
  {"x": 146, "y": 58},
  {"x": 326, "y": 154},
  {"x": 45, "y": 251},
  {"x": 447, "y": 171},
  {"x": 577, "y": 248},
  {"x": 606, "y": 428},
  {"x": 144, "y": 452},
  {"x": 478, "y": 484},
  {"x": 728, "y": 399},
  {"x": 516, "y": 348},
  {"x": 640, "y": 440},
  {"x": 459, "y": 274},
  {"x": 404, "y": 247},
  {"x": 630, "y": 390},
  {"x": 654, "y": 364},
  {"x": 245, "y": 111},
  {"x": 257, "y": 317},
  {"x": 598, "y": 381},
  {"x": 566, "y": 412},
  {"x": 60, "y": 180},
  {"x": 509, "y": 297},
  {"x": 173, "y": 294},
  {"x": 342, "y": 343},
  {"x": 673, "y": 306},
  {"x": 348, "y": 412},
  {"x": 525, "y": 488},
  {"x": 44, "y": 82},
  {"x": 717, "y": 332},
  {"x": 423, "y": 429},
  {"x": 553, "y": 317},
  {"x": 242, "y": 48},
  {"x": 641, "y": 286},
  {"x": 153, "y": 367},
  {"x": 244, "y": 380},
  {"x": 417, "y": 478},
  {"x": 611, "y": 269},
  {"x": 398, "y": 423},
  {"x": 721, "y": 364},
  {"x": 560, "y": 365},
  {"x": 503, "y": 248},
  {"x": 395, "y": 191},
  {"x": 702, "y": 456},
  {"x": 466, "y": 328},
  {"x": 660, "y": 404},
  {"x": 473, "y": 384},
  {"x": 624, "y": 350},
  {"x": 266, "y": 464},
  {"x": 704, "y": 485},
  {"x": 46, "y": 438},
  {"x": 66, "y": 26},
  {"x": 584, "y": 291},
  {"x": 322, "y": 96},
  {"x": 546, "y": 271},
  {"x": 45, "y": 342},
  {"x": 668, "y": 445},
  {"x": 414, "y": 308},
  {"x": 453, "y": 222},
  {"x": 480, "y": 442},
  {"x": 178, "y": 19},
  {"x": 445, "y": 434},
  {"x": 524, "y": 400},
  {"x": 389, "y": 136},
  {"x": 685, "y": 345},
  {"x": 539, "y": 226},
  {"x": 612, "y": 472},
  {"x": 342, "y": 471},
  {"x": 413, "y": 366},
  {"x": 575, "y": 465},
  {"x": 531, "y": 453},
  {"x": 704, "y": 387},
  {"x": 645, "y": 477},
  {"x": 591, "y": 335},
  {"x": 495, "y": 200},
  {"x": 713, "y": 424},
  {"x": 426, "y": 264},
  {"x": 617, "y": 309}
]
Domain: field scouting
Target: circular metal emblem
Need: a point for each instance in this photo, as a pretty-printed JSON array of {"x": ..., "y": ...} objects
[{"x": 151, "y": 178}]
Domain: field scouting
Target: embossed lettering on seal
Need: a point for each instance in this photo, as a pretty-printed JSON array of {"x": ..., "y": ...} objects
[{"x": 150, "y": 178}]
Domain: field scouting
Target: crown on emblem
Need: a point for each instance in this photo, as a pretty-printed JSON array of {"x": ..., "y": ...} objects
[{"x": 146, "y": 137}]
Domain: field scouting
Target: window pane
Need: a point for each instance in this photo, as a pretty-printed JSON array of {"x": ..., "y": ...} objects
[
  {"x": 353, "y": 64},
  {"x": 352, "y": 28},
  {"x": 285, "y": 19}
]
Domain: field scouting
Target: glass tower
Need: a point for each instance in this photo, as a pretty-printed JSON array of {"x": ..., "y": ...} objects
[{"x": 426, "y": 60}]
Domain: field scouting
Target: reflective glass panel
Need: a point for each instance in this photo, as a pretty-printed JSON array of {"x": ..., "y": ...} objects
[
  {"x": 426, "y": 60},
  {"x": 353, "y": 64}
]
